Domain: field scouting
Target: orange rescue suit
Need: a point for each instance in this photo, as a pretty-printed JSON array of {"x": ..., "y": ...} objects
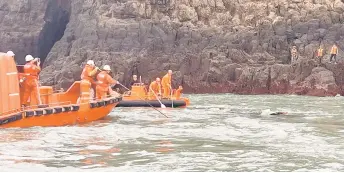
[
  {"x": 156, "y": 88},
  {"x": 30, "y": 84},
  {"x": 334, "y": 50},
  {"x": 178, "y": 92},
  {"x": 87, "y": 73},
  {"x": 86, "y": 82},
  {"x": 320, "y": 52},
  {"x": 166, "y": 85},
  {"x": 104, "y": 82}
]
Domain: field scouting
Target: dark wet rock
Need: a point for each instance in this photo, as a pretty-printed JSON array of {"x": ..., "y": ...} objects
[{"x": 213, "y": 46}]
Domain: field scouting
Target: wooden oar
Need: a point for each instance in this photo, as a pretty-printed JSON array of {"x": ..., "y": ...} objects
[
  {"x": 171, "y": 95},
  {"x": 162, "y": 105}
]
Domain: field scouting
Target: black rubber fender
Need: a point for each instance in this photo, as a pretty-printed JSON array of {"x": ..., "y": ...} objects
[
  {"x": 107, "y": 102},
  {"x": 75, "y": 108},
  {"x": 48, "y": 111},
  {"x": 149, "y": 103},
  {"x": 101, "y": 103},
  {"x": 112, "y": 101},
  {"x": 38, "y": 112},
  {"x": 10, "y": 119},
  {"x": 93, "y": 105},
  {"x": 57, "y": 110},
  {"x": 29, "y": 113},
  {"x": 67, "y": 109}
]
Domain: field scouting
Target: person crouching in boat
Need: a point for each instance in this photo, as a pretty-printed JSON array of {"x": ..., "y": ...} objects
[
  {"x": 166, "y": 84},
  {"x": 178, "y": 92},
  {"x": 86, "y": 90},
  {"x": 155, "y": 90},
  {"x": 104, "y": 82},
  {"x": 30, "y": 84}
]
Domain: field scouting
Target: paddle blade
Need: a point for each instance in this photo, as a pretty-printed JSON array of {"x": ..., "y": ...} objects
[{"x": 163, "y": 106}]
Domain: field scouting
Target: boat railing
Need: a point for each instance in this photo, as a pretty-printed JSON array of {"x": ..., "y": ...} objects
[
  {"x": 31, "y": 107},
  {"x": 60, "y": 91},
  {"x": 10, "y": 112},
  {"x": 54, "y": 104}
]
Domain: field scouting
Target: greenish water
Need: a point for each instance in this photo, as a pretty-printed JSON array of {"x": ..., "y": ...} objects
[{"x": 216, "y": 133}]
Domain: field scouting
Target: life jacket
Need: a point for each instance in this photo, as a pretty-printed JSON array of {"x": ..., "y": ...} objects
[
  {"x": 86, "y": 72},
  {"x": 155, "y": 86},
  {"x": 166, "y": 80},
  {"x": 334, "y": 50},
  {"x": 31, "y": 70},
  {"x": 105, "y": 80}
]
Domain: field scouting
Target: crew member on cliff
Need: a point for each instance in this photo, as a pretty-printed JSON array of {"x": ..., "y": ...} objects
[
  {"x": 89, "y": 71},
  {"x": 30, "y": 84},
  {"x": 334, "y": 52},
  {"x": 320, "y": 53},
  {"x": 155, "y": 89},
  {"x": 167, "y": 84},
  {"x": 293, "y": 54},
  {"x": 104, "y": 82}
]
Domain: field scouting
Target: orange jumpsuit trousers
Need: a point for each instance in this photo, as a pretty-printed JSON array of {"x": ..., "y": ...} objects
[
  {"x": 166, "y": 83},
  {"x": 30, "y": 84},
  {"x": 103, "y": 86}
]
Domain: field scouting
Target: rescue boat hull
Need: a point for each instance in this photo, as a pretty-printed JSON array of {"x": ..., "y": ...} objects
[
  {"x": 150, "y": 103},
  {"x": 60, "y": 116}
]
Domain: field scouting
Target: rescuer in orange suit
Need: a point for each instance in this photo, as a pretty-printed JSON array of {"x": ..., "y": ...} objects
[
  {"x": 30, "y": 83},
  {"x": 166, "y": 84},
  {"x": 178, "y": 92},
  {"x": 87, "y": 75},
  {"x": 155, "y": 89},
  {"x": 104, "y": 82}
]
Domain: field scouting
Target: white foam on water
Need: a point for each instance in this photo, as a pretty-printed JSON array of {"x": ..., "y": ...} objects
[
  {"x": 98, "y": 147},
  {"x": 236, "y": 134}
]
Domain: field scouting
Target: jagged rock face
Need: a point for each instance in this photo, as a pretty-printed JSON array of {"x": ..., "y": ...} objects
[
  {"x": 211, "y": 45},
  {"x": 32, "y": 26},
  {"x": 21, "y": 24}
]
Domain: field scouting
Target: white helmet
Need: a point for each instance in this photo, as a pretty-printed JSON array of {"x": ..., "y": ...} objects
[
  {"x": 10, "y": 53},
  {"x": 107, "y": 68},
  {"x": 28, "y": 58},
  {"x": 90, "y": 62}
]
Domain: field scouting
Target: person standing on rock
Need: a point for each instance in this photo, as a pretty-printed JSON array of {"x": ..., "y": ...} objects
[
  {"x": 166, "y": 84},
  {"x": 87, "y": 75},
  {"x": 104, "y": 83},
  {"x": 293, "y": 54},
  {"x": 320, "y": 54},
  {"x": 334, "y": 52},
  {"x": 30, "y": 84}
]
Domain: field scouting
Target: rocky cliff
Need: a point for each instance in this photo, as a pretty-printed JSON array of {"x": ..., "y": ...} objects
[{"x": 239, "y": 46}]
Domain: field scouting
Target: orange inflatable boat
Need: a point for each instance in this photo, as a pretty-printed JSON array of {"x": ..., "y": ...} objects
[
  {"x": 139, "y": 97},
  {"x": 60, "y": 108}
]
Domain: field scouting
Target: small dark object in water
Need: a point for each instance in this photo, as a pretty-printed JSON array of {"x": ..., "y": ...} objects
[{"x": 278, "y": 113}]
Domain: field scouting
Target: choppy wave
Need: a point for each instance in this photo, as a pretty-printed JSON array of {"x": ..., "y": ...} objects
[{"x": 216, "y": 133}]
